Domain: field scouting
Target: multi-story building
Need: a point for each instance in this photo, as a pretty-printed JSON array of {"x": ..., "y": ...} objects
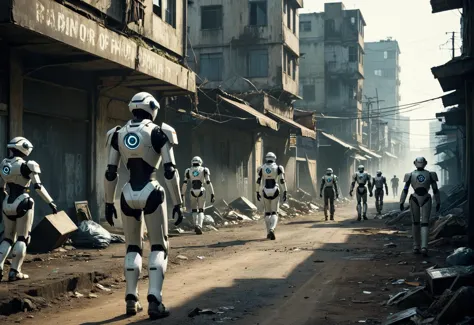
[
  {"x": 332, "y": 68},
  {"x": 246, "y": 45},
  {"x": 68, "y": 71}
]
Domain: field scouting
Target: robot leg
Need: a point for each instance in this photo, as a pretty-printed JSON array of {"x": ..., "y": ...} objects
[
  {"x": 8, "y": 240},
  {"x": 133, "y": 230},
  {"x": 194, "y": 210},
  {"x": 157, "y": 223},
  {"x": 381, "y": 201},
  {"x": 273, "y": 218},
  {"x": 331, "y": 204},
  {"x": 415, "y": 215},
  {"x": 201, "y": 202},
  {"x": 359, "y": 207},
  {"x": 364, "y": 199},
  {"x": 425, "y": 225},
  {"x": 268, "y": 213},
  {"x": 326, "y": 204},
  {"x": 23, "y": 231}
]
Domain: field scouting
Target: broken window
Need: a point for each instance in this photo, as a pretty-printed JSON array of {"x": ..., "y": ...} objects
[
  {"x": 258, "y": 12},
  {"x": 378, "y": 73},
  {"x": 211, "y": 17},
  {"x": 293, "y": 12},
  {"x": 305, "y": 26},
  {"x": 211, "y": 66},
  {"x": 309, "y": 93},
  {"x": 353, "y": 54},
  {"x": 171, "y": 12},
  {"x": 294, "y": 63},
  {"x": 288, "y": 16},
  {"x": 257, "y": 63},
  {"x": 157, "y": 8}
]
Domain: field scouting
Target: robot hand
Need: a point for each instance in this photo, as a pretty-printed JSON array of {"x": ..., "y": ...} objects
[
  {"x": 178, "y": 210},
  {"x": 110, "y": 213},
  {"x": 258, "y": 196},
  {"x": 438, "y": 207},
  {"x": 402, "y": 207},
  {"x": 213, "y": 198},
  {"x": 53, "y": 207},
  {"x": 371, "y": 194},
  {"x": 284, "y": 196},
  {"x": 337, "y": 195},
  {"x": 386, "y": 192},
  {"x": 182, "y": 199},
  {"x": 320, "y": 194},
  {"x": 350, "y": 193}
]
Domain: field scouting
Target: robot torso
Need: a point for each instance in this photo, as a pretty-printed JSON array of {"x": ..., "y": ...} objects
[
  {"x": 197, "y": 175},
  {"x": 361, "y": 178},
  {"x": 329, "y": 180},
  {"x": 379, "y": 182},
  {"x": 420, "y": 181}
]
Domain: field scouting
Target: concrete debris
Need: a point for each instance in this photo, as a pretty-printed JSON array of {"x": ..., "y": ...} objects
[
  {"x": 416, "y": 297},
  {"x": 209, "y": 228},
  {"x": 402, "y": 317},
  {"x": 244, "y": 205},
  {"x": 448, "y": 226},
  {"x": 101, "y": 287},
  {"x": 461, "y": 256},
  {"x": 92, "y": 295},
  {"x": 399, "y": 218},
  {"x": 198, "y": 311},
  {"x": 437, "y": 306},
  {"x": 77, "y": 295},
  {"x": 458, "y": 307},
  {"x": 181, "y": 257},
  {"x": 452, "y": 278},
  {"x": 208, "y": 220},
  {"x": 390, "y": 245}
]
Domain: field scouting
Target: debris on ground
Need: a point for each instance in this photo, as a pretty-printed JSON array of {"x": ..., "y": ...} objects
[
  {"x": 402, "y": 317},
  {"x": 101, "y": 287},
  {"x": 452, "y": 278},
  {"x": 461, "y": 256},
  {"x": 416, "y": 297},
  {"x": 244, "y": 205},
  {"x": 448, "y": 226},
  {"x": 458, "y": 307},
  {"x": 91, "y": 235}
]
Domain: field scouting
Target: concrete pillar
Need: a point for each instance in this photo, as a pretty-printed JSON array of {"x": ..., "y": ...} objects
[
  {"x": 15, "y": 107},
  {"x": 257, "y": 155}
]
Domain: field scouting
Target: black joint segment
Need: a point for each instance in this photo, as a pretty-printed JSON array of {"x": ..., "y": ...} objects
[
  {"x": 282, "y": 181},
  {"x": 127, "y": 210},
  {"x": 158, "y": 139},
  {"x": 405, "y": 191},
  {"x": 435, "y": 191},
  {"x": 169, "y": 171},
  {"x": 153, "y": 268},
  {"x": 185, "y": 182},
  {"x": 416, "y": 223},
  {"x": 274, "y": 213},
  {"x": 23, "y": 239},
  {"x": 114, "y": 141},
  {"x": 155, "y": 199},
  {"x": 201, "y": 210},
  {"x": 152, "y": 298},
  {"x": 131, "y": 297},
  {"x": 259, "y": 181},
  {"x": 8, "y": 240},
  {"x": 279, "y": 171},
  {"x": 208, "y": 182},
  {"x": 268, "y": 213},
  {"x": 157, "y": 248},
  {"x": 37, "y": 186},
  {"x": 425, "y": 224},
  {"x": 134, "y": 249},
  {"x": 194, "y": 210},
  {"x": 25, "y": 171}
]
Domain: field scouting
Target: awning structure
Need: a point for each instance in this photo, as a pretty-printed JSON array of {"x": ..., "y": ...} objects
[
  {"x": 444, "y": 5},
  {"x": 338, "y": 141},
  {"x": 261, "y": 118},
  {"x": 447, "y": 129},
  {"x": 359, "y": 157},
  {"x": 447, "y": 163},
  {"x": 368, "y": 157},
  {"x": 305, "y": 132},
  {"x": 447, "y": 146},
  {"x": 391, "y": 155},
  {"x": 454, "y": 116},
  {"x": 370, "y": 152}
]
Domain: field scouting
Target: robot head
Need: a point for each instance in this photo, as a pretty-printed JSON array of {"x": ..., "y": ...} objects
[
  {"x": 420, "y": 162},
  {"x": 20, "y": 146},
  {"x": 270, "y": 157},
  {"x": 361, "y": 168},
  {"x": 394, "y": 176},
  {"x": 144, "y": 102},
  {"x": 329, "y": 171},
  {"x": 379, "y": 173},
  {"x": 196, "y": 161}
]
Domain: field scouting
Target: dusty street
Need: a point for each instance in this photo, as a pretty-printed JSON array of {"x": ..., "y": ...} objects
[{"x": 316, "y": 272}]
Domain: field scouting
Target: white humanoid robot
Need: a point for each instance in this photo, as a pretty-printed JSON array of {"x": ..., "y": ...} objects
[
  {"x": 363, "y": 180},
  {"x": 198, "y": 176},
  {"x": 420, "y": 202},
  {"x": 268, "y": 176},
  {"x": 328, "y": 187},
  {"x": 18, "y": 207},
  {"x": 142, "y": 146},
  {"x": 379, "y": 182}
]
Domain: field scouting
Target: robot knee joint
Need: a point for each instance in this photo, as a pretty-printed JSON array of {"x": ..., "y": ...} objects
[
  {"x": 23, "y": 239},
  {"x": 194, "y": 210},
  {"x": 134, "y": 249},
  {"x": 24, "y": 207},
  {"x": 201, "y": 210},
  {"x": 19, "y": 248},
  {"x": 111, "y": 173},
  {"x": 156, "y": 198}
]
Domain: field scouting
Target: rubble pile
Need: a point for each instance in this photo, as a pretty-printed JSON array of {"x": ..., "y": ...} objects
[{"x": 445, "y": 298}]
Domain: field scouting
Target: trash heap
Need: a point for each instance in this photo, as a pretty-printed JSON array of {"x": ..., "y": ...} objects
[{"x": 444, "y": 295}]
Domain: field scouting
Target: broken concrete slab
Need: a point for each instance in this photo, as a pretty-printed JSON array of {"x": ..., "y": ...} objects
[
  {"x": 402, "y": 317},
  {"x": 460, "y": 306},
  {"x": 461, "y": 256},
  {"x": 439, "y": 280},
  {"x": 243, "y": 205},
  {"x": 439, "y": 304},
  {"x": 416, "y": 297},
  {"x": 448, "y": 226}
]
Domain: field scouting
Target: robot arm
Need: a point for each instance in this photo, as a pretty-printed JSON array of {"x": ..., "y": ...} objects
[
  {"x": 336, "y": 188},
  {"x": 184, "y": 187},
  {"x": 259, "y": 179},
  {"x": 323, "y": 181},
  {"x": 434, "y": 186},
  {"x": 35, "y": 172},
  {"x": 281, "y": 174},
  {"x": 407, "y": 181},
  {"x": 169, "y": 164},
  {"x": 386, "y": 186},
  {"x": 207, "y": 177},
  {"x": 354, "y": 178},
  {"x": 111, "y": 175}
]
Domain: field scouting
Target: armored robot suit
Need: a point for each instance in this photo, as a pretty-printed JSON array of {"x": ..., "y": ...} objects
[
  {"x": 327, "y": 190},
  {"x": 379, "y": 182},
  {"x": 363, "y": 180},
  {"x": 17, "y": 175},
  {"x": 394, "y": 182},
  {"x": 142, "y": 145},
  {"x": 268, "y": 176},
  {"x": 420, "y": 202},
  {"x": 198, "y": 176}
]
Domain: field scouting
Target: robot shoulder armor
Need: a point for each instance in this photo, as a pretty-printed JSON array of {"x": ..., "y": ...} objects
[
  {"x": 281, "y": 170},
  {"x": 170, "y": 133},
  {"x": 434, "y": 176},
  {"x": 111, "y": 133},
  {"x": 206, "y": 171},
  {"x": 407, "y": 177},
  {"x": 33, "y": 166},
  {"x": 186, "y": 173}
]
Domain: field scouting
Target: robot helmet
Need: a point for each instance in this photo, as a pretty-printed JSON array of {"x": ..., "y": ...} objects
[
  {"x": 196, "y": 161},
  {"x": 420, "y": 162},
  {"x": 145, "y": 102},
  {"x": 361, "y": 168},
  {"x": 20, "y": 144},
  {"x": 329, "y": 171},
  {"x": 270, "y": 157},
  {"x": 379, "y": 173}
]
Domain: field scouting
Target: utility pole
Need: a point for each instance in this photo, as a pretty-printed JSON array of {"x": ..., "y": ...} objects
[
  {"x": 453, "y": 49},
  {"x": 369, "y": 106}
]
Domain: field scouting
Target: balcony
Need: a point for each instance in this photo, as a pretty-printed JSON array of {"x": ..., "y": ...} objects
[{"x": 353, "y": 70}]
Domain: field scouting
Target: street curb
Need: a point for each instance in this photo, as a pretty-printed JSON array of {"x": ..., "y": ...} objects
[{"x": 15, "y": 303}]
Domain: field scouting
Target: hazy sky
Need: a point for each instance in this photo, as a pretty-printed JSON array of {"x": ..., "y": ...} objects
[{"x": 420, "y": 35}]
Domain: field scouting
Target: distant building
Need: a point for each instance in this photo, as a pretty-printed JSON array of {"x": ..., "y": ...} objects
[{"x": 332, "y": 69}]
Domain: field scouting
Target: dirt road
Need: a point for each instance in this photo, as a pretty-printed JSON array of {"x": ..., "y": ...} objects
[{"x": 316, "y": 272}]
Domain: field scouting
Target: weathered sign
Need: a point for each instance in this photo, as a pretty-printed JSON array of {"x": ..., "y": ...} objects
[{"x": 60, "y": 23}]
